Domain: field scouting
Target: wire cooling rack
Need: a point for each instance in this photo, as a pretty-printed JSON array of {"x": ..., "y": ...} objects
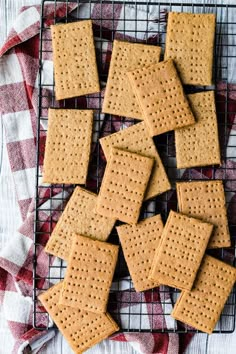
[{"x": 146, "y": 21}]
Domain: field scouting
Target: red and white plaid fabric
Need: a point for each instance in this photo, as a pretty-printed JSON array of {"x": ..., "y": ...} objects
[{"x": 18, "y": 109}]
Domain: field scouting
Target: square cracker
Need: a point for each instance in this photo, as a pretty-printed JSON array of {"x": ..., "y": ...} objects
[
  {"x": 206, "y": 200},
  {"x": 123, "y": 186},
  {"x": 75, "y": 67},
  {"x": 198, "y": 144},
  {"x": 89, "y": 274},
  {"x": 119, "y": 97},
  {"x": 68, "y": 146},
  {"x": 182, "y": 247},
  {"x": 80, "y": 216},
  {"x": 139, "y": 243},
  {"x": 82, "y": 329},
  {"x": 161, "y": 97},
  {"x": 202, "y": 306},
  {"x": 136, "y": 139},
  {"x": 190, "y": 43}
]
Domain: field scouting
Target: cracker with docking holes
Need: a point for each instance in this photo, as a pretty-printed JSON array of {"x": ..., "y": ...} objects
[
  {"x": 201, "y": 307},
  {"x": 190, "y": 43},
  {"x": 75, "y": 67},
  {"x": 80, "y": 216},
  {"x": 182, "y": 247},
  {"x": 124, "y": 185},
  {"x": 161, "y": 97},
  {"x": 119, "y": 97},
  {"x": 198, "y": 144},
  {"x": 136, "y": 139},
  {"x": 89, "y": 274},
  {"x": 82, "y": 329},
  {"x": 206, "y": 200},
  {"x": 139, "y": 243},
  {"x": 68, "y": 146}
]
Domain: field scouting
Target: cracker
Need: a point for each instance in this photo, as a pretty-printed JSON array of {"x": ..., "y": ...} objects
[
  {"x": 198, "y": 144},
  {"x": 119, "y": 97},
  {"x": 89, "y": 274},
  {"x": 82, "y": 329},
  {"x": 139, "y": 243},
  {"x": 136, "y": 139},
  {"x": 75, "y": 67},
  {"x": 206, "y": 200},
  {"x": 202, "y": 306},
  {"x": 68, "y": 146},
  {"x": 123, "y": 186},
  {"x": 80, "y": 216},
  {"x": 190, "y": 43},
  {"x": 182, "y": 247},
  {"x": 161, "y": 97}
]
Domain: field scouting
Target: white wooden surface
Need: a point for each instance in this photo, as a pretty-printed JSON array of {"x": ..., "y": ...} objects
[{"x": 10, "y": 219}]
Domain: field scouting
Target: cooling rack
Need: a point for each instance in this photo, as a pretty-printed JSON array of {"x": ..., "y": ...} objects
[{"x": 145, "y": 22}]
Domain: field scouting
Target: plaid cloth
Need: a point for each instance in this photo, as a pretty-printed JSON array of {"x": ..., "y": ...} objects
[{"x": 18, "y": 108}]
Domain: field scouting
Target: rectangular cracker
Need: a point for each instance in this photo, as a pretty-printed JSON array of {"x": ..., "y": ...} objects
[
  {"x": 182, "y": 247},
  {"x": 202, "y": 306},
  {"x": 124, "y": 185},
  {"x": 136, "y": 139},
  {"x": 80, "y": 216},
  {"x": 82, "y": 329},
  {"x": 68, "y": 146},
  {"x": 206, "y": 200},
  {"x": 161, "y": 97},
  {"x": 119, "y": 97},
  {"x": 198, "y": 144},
  {"x": 75, "y": 67},
  {"x": 190, "y": 43},
  {"x": 89, "y": 274},
  {"x": 139, "y": 243}
]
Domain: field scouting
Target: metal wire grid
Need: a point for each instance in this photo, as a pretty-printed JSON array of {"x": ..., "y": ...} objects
[{"x": 135, "y": 321}]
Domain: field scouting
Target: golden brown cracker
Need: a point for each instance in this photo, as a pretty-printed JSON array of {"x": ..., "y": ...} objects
[
  {"x": 80, "y": 216},
  {"x": 198, "y": 144},
  {"x": 75, "y": 67},
  {"x": 161, "y": 97},
  {"x": 182, "y": 247},
  {"x": 190, "y": 43},
  {"x": 82, "y": 329},
  {"x": 206, "y": 200},
  {"x": 68, "y": 146},
  {"x": 201, "y": 307},
  {"x": 136, "y": 139},
  {"x": 119, "y": 97},
  {"x": 123, "y": 186},
  {"x": 89, "y": 274},
  {"x": 139, "y": 243}
]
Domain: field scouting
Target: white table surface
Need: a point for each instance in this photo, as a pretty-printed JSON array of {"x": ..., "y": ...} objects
[{"x": 10, "y": 220}]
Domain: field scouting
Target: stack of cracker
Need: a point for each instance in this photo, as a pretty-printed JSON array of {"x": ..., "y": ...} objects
[
  {"x": 78, "y": 305},
  {"x": 81, "y": 328},
  {"x": 141, "y": 87}
]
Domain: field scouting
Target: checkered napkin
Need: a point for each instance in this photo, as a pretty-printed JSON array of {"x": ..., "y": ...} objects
[{"x": 18, "y": 108}]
